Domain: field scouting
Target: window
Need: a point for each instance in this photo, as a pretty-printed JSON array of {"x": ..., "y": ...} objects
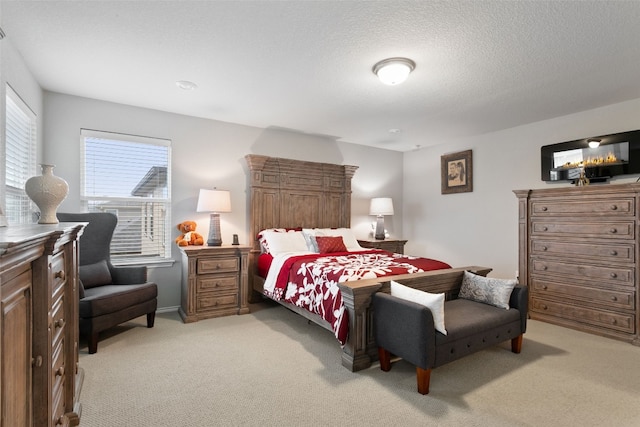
[
  {"x": 20, "y": 155},
  {"x": 129, "y": 176}
]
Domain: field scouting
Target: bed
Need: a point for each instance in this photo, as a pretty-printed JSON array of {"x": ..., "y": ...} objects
[{"x": 288, "y": 194}]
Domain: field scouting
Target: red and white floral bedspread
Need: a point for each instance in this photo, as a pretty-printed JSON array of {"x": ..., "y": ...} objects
[{"x": 311, "y": 281}]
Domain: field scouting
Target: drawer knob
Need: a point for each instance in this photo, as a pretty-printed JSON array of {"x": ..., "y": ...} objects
[
  {"x": 544, "y": 248},
  {"x": 60, "y": 371},
  {"x": 614, "y": 321},
  {"x": 543, "y": 209},
  {"x": 544, "y": 307},
  {"x": 614, "y": 298},
  {"x": 613, "y": 275},
  {"x": 59, "y": 275},
  {"x": 543, "y": 268},
  {"x": 544, "y": 229},
  {"x": 544, "y": 287},
  {"x": 59, "y": 323},
  {"x": 218, "y": 266},
  {"x": 37, "y": 361},
  {"x": 614, "y": 253},
  {"x": 613, "y": 231},
  {"x": 614, "y": 207}
]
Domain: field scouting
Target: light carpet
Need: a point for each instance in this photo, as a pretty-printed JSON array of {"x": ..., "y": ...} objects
[{"x": 273, "y": 368}]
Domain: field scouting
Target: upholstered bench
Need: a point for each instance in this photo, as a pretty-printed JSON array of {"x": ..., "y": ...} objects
[{"x": 408, "y": 329}]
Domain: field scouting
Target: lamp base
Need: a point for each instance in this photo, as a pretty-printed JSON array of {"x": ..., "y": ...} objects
[
  {"x": 215, "y": 238},
  {"x": 380, "y": 228}
]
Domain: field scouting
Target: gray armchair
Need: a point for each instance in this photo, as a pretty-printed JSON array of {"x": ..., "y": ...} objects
[{"x": 109, "y": 295}]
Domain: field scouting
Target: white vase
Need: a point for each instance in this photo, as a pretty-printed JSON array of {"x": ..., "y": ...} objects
[{"x": 47, "y": 191}]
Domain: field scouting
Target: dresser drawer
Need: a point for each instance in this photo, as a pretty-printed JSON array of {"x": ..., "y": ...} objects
[
  {"x": 585, "y": 207},
  {"x": 216, "y": 283},
  {"x": 217, "y": 265},
  {"x": 580, "y": 229},
  {"x": 567, "y": 248},
  {"x": 57, "y": 364},
  {"x": 583, "y": 272},
  {"x": 58, "y": 272},
  {"x": 602, "y": 318},
  {"x": 620, "y": 299},
  {"x": 57, "y": 320},
  {"x": 215, "y": 301}
]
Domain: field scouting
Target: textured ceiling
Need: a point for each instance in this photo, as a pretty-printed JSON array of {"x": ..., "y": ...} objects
[{"x": 306, "y": 65}]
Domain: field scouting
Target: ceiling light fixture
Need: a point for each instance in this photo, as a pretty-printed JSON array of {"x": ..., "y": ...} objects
[
  {"x": 593, "y": 143},
  {"x": 186, "y": 85},
  {"x": 393, "y": 71}
]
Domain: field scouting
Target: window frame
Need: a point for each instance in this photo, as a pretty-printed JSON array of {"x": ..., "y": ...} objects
[{"x": 141, "y": 203}]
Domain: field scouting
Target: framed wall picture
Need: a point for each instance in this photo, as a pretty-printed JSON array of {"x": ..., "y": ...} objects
[{"x": 457, "y": 172}]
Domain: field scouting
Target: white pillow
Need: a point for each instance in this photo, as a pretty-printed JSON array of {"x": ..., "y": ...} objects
[
  {"x": 434, "y": 302},
  {"x": 350, "y": 241},
  {"x": 285, "y": 242}
]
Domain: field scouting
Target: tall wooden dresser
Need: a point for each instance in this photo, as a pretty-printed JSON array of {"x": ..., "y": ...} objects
[
  {"x": 578, "y": 253},
  {"x": 40, "y": 376}
]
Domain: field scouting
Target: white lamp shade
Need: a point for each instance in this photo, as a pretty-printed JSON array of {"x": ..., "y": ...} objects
[
  {"x": 381, "y": 206},
  {"x": 214, "y": 201}
]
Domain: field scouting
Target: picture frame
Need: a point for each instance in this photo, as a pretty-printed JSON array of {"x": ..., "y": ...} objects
[{"x": 457, "y": 172}]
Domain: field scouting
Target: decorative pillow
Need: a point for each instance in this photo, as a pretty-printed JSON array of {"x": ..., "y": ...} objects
[
  {"x": 264, "y": 245},
  {"x": 311, "y": 241},
  {"x": 93, "y": 275},
  {"x": 348, "y": 238},
  {"x": 434, "y": 302},
  {"x": 489, "y": 291},
  {"x": 329, "y": 244},
  {"x": 278, "y": 242}
]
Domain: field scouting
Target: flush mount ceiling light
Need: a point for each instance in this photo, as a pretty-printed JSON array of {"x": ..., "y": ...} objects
[
  {"x": 186, "y": 85},
  {"x": 593, "y": 143},
  {"x": 393, "y": 71}
]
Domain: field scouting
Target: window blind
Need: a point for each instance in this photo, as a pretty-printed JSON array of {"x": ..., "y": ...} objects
[
  {"x": 129, "y": 176},
  {"x": 20, "y": 158}
]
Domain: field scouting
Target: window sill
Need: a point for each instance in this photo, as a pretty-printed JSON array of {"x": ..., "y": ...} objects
[{"x": 151, "y": 264}]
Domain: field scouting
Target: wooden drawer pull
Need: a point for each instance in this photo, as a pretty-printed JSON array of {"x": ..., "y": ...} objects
[
  {"x": 614, "y": 321},
  {"x": 544, "y": 229},
  {"x": 544, "y": 287},
  {"x": 614, "y": 298},
  {"x": 613, "y": 231},
  {"x": 613, "y": 275},
  {"x": 37, "y": 361},
  {"x": 543, "y": 268},
  {"x": 614, "y": 253},
  {"x": 218, "y": 266},
  {"x": 544, "y": 248},
  {"x": 544, "y": 307},
  {"x": 59, "y": 323},
  {"x": 543, "y": 209},
  {"x": 614, "y": 207},
  {"x": 59, "y": 274},
  {"x": 60, "y": 371}
]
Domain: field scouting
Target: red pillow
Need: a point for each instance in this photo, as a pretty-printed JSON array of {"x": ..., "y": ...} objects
[{"x": 326, "y": 244}]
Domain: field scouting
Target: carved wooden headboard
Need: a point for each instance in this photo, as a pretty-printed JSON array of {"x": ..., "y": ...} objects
[{"x": 289, "y": 193}]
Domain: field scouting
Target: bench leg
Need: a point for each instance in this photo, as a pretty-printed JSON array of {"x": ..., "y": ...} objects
[
  {"x": 385, "y": 359},
  {"x": 151, "y": 317},
  {"x": 516, "y": 344},
  {"x": 424, "y": 376}
]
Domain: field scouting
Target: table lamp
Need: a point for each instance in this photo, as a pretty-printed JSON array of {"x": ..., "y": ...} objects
[
  {"x": 216, "y": 202},
  {"x": 380, "y": 206}
]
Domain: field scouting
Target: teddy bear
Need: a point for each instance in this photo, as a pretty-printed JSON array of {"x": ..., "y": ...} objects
[{"x": 188, "y": 234}]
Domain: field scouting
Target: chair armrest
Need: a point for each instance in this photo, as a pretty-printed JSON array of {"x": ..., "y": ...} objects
[
  {"x": 405, "y": 329},
  {"x": 520, "y": 300},
  {"x": 128, "y": 275}
]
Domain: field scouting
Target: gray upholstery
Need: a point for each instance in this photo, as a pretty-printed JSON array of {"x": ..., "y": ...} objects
[
  {"x": 109, "y": 295},
  {"x": 406, "y": 329}
]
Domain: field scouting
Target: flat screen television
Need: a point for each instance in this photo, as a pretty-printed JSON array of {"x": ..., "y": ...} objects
[{"x": 606, "y": 157}]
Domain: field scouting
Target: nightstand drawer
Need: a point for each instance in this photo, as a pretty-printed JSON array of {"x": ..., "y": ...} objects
[
  {"x": 217, "y": 265},
  {"x": 217, "y": 283},
  {"x": 214, "y": 301}
]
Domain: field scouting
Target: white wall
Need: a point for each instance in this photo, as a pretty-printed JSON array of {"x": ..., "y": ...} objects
[
  {"x": 480, "y": 228},
  {"x": 207, "y": 154}
]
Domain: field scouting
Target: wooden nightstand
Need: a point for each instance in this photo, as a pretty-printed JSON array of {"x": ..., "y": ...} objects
[
  {"x": 215, "y": 281},
  {"x": 391, "y": 245}
]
